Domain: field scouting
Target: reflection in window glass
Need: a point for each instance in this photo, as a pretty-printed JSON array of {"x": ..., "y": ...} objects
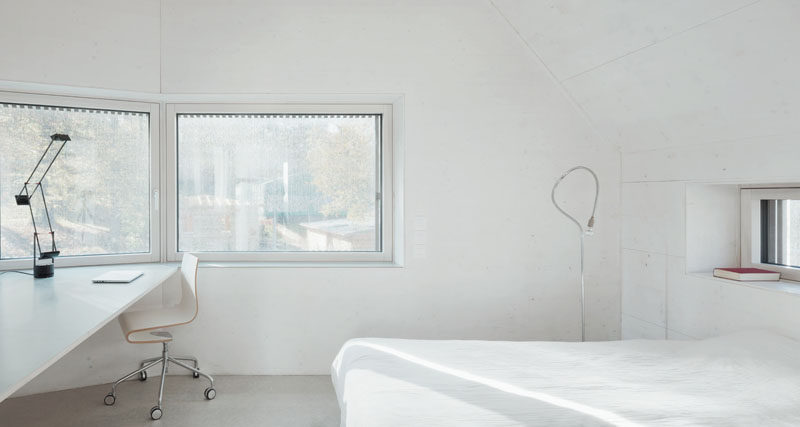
[
  {"x": 282, "y": 183},
  {"x": 780, "y": 232},
  {"x": 97, "y": 190}
]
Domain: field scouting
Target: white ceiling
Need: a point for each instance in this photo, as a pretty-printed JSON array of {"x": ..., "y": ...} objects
[{"x": 652, "y": 74}]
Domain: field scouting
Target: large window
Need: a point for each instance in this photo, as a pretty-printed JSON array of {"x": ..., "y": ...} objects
[
  {"x": 230, "y": 182},
  {"x": 99, "y": 188},
  {"x": 281, "y": 182},
  {"x": 771, "y": 230}
]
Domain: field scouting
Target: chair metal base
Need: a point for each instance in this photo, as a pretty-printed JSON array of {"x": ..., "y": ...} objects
[{"x": 156, "y": 412}]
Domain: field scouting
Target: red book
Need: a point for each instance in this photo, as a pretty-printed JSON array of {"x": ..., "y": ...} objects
[{"x": 746, "y": 274}]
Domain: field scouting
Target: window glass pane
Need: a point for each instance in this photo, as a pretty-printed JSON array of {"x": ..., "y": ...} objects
[
  {"x": 97, "y": 191},
  {"x": 780, "y": 232},
  {"x": 266, "y": 182}
]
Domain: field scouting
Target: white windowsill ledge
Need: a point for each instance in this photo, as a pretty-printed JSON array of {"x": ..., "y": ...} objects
[
  {"x": 782, "y": 286},
  {"x": 296, "y": 264},
  {"x": 246, "y": 264}
]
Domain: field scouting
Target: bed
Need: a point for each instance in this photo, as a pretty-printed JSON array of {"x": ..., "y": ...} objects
[{"x": 750, "y": 378}]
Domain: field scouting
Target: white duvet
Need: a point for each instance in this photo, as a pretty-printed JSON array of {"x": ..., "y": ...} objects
[{"x": 747, "y": 379}]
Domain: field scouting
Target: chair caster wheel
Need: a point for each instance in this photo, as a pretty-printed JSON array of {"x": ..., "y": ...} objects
[
  {"x": 195, "y": 375},
  {"x": 109, "y": 399},
  {"x": 156, "y": 413},
  {"x": 210, "y": 393},
  {"x": 143, "y": 376}
]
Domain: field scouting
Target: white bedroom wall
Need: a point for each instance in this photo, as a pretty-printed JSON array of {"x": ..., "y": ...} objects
[
  {"x": 693, "y": 92},
  {"x": 487, "y": 130},
  {"x": 88, "y": 43},
  {"x": 727, "y": 112}
]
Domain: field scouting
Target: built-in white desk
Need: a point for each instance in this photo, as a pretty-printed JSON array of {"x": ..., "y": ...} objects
[{"x": 41, "y": 320}]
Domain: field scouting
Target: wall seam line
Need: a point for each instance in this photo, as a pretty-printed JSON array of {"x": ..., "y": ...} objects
[
  {"x": 644, "y": 251},
  {"x": 161, "y": 46},
  {"x": 707, "y": 143},
  {"x": 554, "y": 78},
  {"x": 646, "y": 321},
  {"x": 639, "y": 49}
]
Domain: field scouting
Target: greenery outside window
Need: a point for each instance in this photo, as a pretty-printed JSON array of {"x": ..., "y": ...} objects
[
  {"x": 281, "y": 182},
  {"x": 240, "y": 182},
  {"x": 99, "y": 189}
]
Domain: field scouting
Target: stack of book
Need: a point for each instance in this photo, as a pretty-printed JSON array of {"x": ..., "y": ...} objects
[{"x": 747, "y": 274}]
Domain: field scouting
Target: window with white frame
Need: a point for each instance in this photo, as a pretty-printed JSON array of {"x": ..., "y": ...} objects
[
  {"x": 771, "y": 230},
  {"x": 241, "y": 182},
  {"x": 99, "y": 188},
  {"x": 282, "y": 182}
]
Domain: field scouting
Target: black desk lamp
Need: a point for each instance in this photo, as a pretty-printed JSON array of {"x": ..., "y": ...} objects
[{"x": 46, "y": 269}]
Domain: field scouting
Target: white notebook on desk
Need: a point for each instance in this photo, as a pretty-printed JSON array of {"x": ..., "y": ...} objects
[{"x": 118, "y": 276}]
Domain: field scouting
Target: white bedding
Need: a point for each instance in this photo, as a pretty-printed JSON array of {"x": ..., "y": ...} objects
[{"x": 747, "y": 379}]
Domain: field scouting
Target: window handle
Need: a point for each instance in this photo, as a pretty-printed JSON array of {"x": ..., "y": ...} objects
[{"x": 155, "y": 198}]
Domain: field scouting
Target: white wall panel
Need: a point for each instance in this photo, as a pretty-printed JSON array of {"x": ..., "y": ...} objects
[
  {"x": 633, "y": 328},
  {"x": 766, "y": 159},
  {"x": 575, "y": 36},
  {"x": 674, "y": 335},
  {"x": 644, "y": 278},
  {"x": 653, "y": 214},
  {"x": 92, "y": 43},
  {"x": 704, "y": 307},
  {"x": 712, "y": 227},
  {"x": 731, "y": 78}
]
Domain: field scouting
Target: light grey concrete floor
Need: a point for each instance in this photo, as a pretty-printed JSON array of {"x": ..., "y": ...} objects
[{"x": 240, "y": 401}]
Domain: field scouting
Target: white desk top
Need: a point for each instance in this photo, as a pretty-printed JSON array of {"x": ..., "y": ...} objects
[{"x": 41, "y": 320}]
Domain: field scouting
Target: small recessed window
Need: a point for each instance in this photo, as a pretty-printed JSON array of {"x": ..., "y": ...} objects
[
  {"x": 771, "y": 230},
  {"x": 780, "y": 232}
]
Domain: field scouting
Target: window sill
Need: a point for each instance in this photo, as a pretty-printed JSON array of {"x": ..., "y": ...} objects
[
  {"x": 236, "y": 264},
  {"x": 297, "y": 264},
  {"x": 783, "y": 286}
]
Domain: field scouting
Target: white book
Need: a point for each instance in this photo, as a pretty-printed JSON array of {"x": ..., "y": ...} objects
[{"x": 118, "y": 276}]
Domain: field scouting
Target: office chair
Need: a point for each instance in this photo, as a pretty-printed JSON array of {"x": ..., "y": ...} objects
[{"x": 148, "y": 326}]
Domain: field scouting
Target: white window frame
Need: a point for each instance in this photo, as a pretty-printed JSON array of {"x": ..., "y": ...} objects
[
  {"x": 385, "y": 181},
  {"x": 751, "y": 227},
  {"x": 153, "y": 110}
]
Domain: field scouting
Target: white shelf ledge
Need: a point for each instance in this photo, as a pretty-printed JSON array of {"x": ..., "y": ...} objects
[{"x": 783, "y": 285}]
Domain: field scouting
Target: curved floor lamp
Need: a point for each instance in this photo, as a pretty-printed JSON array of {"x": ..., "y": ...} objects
[
  {"x": 581, "y": 232},
  {"x": 47, "y": 269}
]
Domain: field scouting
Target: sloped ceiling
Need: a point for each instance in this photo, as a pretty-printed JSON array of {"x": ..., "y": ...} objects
[{"x": 653, "y": 74}]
